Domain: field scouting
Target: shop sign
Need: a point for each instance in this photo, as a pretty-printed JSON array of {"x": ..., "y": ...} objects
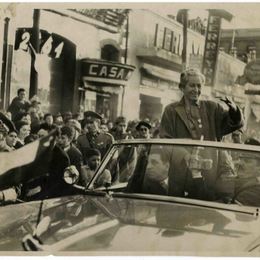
[
  {"x": 212, "y": 43},
  {"x": 105, "y": 71},
  {"x": 51, "y": 44},
  {"x": 211, "y": 48},
  {"x": 168, "y": 39}
]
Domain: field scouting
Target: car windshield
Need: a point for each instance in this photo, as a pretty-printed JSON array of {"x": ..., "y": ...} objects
[{"x": 218, "y": 174}]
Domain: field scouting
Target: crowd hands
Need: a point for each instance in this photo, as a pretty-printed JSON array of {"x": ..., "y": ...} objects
[{"x": 81, "y": 142}]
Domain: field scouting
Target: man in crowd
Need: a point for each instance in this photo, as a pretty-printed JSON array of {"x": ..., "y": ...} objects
[
  {"x": 58, "y": 120},
  {"x": 6, "y": 127},
  {"x": 48, "y": 122},
  {"x": 93, "y": 138},
  {"x": 11, "y": 139},
  {"x": 194, "y": 118},
  {"x": 77, "y": 127},
  {"x": 120, "y": 127},
  {"x": 143, "y": 129},
  {"x": 19, "y": 104},
  {"x": 65, "y": 142},
  {"x": 237, "y": 136},
  {"x": 23, "y": 130}
]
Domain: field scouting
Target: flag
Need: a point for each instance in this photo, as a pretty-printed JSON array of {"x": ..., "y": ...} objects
[{"x": 29, "y": 162}]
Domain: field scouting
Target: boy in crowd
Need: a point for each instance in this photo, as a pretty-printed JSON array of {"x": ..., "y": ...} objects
[{"x": 87, "y": 171}]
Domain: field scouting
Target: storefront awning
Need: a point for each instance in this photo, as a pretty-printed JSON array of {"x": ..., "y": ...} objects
[
  {"x": 106, "y": 72},
  {"x": 161, "y": 73},
  {"x": 103, "y": 89},
  {"x": 160, "y": 57}
]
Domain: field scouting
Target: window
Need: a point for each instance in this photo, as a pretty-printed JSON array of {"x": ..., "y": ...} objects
[{"x": 109, "y": 52}]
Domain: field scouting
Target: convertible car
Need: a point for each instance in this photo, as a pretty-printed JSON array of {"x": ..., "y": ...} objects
[{"x": 165, "y": 197}]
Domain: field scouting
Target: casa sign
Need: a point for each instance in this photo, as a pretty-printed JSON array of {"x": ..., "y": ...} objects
[{"x": 106, "y": 71}]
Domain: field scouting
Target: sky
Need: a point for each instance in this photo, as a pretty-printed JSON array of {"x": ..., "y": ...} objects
[{"x": 245, "y": 15}]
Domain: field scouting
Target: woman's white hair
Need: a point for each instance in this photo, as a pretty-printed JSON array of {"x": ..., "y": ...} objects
[{"x": 184, "y": 79}]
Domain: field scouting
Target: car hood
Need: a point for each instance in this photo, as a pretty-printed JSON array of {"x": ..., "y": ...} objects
[{"x": 125, "y": 225}]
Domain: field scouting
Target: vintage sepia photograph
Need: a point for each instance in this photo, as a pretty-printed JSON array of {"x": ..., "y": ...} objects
[{"x": 130, "y": 129}]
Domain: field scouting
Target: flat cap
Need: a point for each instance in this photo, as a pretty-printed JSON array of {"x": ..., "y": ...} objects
[
  {"x": 92, "y": 115},
  {"x": 143, "y": 123},
  {"x": 7, "y": 122}
]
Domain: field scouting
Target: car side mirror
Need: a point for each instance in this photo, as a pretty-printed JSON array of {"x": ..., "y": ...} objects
[{"x": 71, "y": 175}]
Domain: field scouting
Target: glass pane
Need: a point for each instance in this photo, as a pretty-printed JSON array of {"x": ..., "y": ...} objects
[{"x": 195, "y": 172}]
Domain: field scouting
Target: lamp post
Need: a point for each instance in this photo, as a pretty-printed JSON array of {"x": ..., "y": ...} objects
[{"x": 35, "y": 41}]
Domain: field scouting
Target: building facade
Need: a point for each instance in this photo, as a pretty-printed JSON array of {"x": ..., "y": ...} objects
[
  {"x": 113, "y": 61},
  {"x": 245, "y": 45},
  {"x": 241, "y": 43},
  {"x": 155, "y": 49},
  {"x": 78, "y": 60}
]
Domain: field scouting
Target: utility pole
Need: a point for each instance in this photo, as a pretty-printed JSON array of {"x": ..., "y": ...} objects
[
  {"x": 125, "y": 58},
  {"x": 185, "y": 18},
  {"x": 4, "y": 63},
  {"x": 35, "y": 41},
  {"x": 126, "y": 37}
]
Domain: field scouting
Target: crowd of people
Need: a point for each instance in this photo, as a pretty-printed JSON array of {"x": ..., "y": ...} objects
[{"x": 84, "y": 141}]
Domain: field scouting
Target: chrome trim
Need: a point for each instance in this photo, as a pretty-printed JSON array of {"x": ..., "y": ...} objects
[
  {"x": 253, "y": 211},
  {"x": 188, "y": 142}
]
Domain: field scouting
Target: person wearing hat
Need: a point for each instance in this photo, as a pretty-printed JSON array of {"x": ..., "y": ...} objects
[
  {"x": 93, "y": 138},
  {"x": 143, "y": 129},
  {"x": 199, "y": 119},
  {"x": 87, "y": 171}
]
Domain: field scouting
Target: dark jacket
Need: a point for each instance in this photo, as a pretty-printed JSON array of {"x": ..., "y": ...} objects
[
  {"x": 101, "y": 141},
  {"x": 75, "y": 157},
  {"x": 17, "y": 107},
  {"x": 52, "y": 184},
  {"x": 219, "y": 122}
]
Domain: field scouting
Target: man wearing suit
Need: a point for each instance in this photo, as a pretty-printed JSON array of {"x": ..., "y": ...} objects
[{"x": 193, "y": 118}]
